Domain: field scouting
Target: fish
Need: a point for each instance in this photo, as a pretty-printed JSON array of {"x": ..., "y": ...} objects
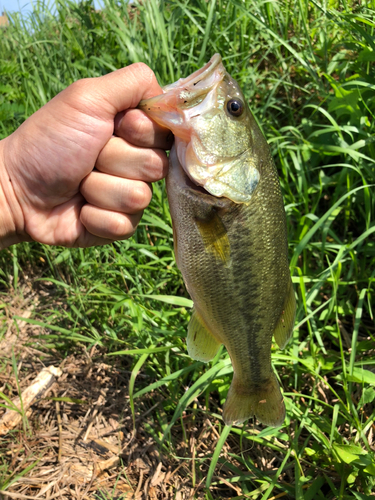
[{"x": 230, "y": 237}]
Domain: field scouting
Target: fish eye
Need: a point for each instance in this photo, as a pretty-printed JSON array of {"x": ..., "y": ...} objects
[{"x": 235, "y": 107}]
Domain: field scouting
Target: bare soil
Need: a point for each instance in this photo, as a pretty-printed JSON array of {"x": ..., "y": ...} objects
[{"x": 77, "y": 441}]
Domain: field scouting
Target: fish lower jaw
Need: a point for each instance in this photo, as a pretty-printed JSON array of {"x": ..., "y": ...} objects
[
  {"x": 218, "y": 189},
  {"x": 233, "y": 178},
  {"x": 199, "y": 174},
  {"x": 190, "y": 164}
]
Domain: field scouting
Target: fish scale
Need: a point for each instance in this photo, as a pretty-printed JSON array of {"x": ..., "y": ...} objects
[{"x": 231, "y": 249}]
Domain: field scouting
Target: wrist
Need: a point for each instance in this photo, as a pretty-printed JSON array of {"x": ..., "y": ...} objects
[{"x": 11, "y": 216}]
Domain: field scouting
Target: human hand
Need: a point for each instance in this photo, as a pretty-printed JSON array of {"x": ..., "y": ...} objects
[{"x": 49, "y": 191}]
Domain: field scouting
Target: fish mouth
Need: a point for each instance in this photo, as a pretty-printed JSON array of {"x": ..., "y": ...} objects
[
  {"x": 192, "y": 185},
  {"x": 178, "y": 104}
]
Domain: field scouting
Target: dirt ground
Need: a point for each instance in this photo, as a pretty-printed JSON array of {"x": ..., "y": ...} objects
[{"x": 77, "y": 440}]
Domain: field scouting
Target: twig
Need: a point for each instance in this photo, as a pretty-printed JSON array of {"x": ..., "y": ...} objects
[
  {"x": 99, "y": 403},
  {"x": 139, "y": 484},
  {"x": 41, "y": 383},
  {"x": 59, "y": 423}
]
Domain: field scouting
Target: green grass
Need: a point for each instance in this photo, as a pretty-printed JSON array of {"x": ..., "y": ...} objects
[{"x": 308, "y": 70}]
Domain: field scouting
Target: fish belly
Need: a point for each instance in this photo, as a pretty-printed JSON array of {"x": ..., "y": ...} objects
[{"x": 233, "y": 258}]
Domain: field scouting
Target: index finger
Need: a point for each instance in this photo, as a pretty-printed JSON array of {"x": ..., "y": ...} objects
[{"x": 136, "y": 127}]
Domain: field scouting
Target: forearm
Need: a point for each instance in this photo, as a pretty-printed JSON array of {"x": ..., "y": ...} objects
[{"x": 11, "y": 217}]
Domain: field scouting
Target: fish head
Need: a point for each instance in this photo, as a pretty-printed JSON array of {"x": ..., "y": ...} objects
[{"x": 213, "y": 129}]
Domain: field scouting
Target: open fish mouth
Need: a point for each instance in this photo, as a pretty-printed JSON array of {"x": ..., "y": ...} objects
[
  {"x": 178, "y": 104},
  {"x": 209, "y": 117}
]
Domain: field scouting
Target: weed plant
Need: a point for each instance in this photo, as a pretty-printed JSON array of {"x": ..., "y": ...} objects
[{"x": 307, "y": 69}]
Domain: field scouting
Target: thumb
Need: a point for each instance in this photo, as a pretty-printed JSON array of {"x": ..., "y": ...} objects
[{"x": 105, "y": 96}]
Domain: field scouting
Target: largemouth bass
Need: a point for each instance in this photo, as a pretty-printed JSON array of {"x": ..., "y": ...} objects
[{"x": 230, "y": 237}]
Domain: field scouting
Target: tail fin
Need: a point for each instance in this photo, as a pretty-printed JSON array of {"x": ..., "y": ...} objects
[{"x": 267, "y": 404}]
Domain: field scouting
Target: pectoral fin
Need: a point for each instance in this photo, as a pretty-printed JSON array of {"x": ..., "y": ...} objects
[
  {"x": 284, "y": 327},
  {"x": 201, "y": 344},
  {"x": 215, "y": 237}
]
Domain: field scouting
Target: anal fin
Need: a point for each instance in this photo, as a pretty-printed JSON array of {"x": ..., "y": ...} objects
[
  {"x": 201, "y": 344},
  {"x": 284, "y": 328}
]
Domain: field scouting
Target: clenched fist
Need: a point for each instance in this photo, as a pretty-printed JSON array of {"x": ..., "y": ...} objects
[{"x": 78, "y": 171}]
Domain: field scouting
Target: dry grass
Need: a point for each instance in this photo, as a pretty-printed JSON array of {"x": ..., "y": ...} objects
[{"x": 79, "y": 441}]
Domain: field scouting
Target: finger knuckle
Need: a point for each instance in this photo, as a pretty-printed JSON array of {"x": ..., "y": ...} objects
[
  {"x": 79, "y": 87},
  {"x": 78, "y": 93},
  {"x": 142, "y": 71},
  {"x": 136, "y": 131}
]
